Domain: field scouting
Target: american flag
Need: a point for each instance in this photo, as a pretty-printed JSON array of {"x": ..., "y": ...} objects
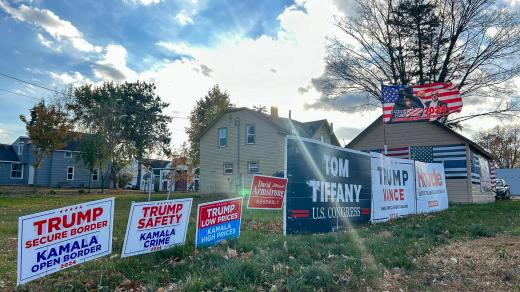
[
  {"x": 452, "y": 156},
  {"x": 399, "y": 152},
  {"x": 475, "y": 170},
  {"x": 493, "y": 174},
  {"x": 446, "y": 92}
]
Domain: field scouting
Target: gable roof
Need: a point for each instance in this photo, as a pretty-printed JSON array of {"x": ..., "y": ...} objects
[
  {"x": 7, "y": 153},
  {"x": 450, "y": 131},
  {"x": 283, "y": 125}
]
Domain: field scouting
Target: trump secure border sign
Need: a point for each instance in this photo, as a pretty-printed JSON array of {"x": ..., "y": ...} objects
[
  {"x": 328, "y": 186},
  {"x": 157, "y": 225},
  {"x": 217, "y": 221},
  {"x": 61, "y": 238}
]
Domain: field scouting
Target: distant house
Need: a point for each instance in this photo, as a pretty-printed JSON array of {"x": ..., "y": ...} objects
[
  {"x": 62, "y": 168},
  {"x": 242, "y": 142},
  {"x": 433, "y": 142},
  {"x": 155, "y": 174}
]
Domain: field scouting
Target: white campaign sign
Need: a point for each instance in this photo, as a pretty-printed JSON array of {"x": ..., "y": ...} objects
[
  {"x": 53, "y": 240},
  {"x": 156, "y": 225},
  {"x": 432, "y": 195},
  {"x": 393, "y": 188}
]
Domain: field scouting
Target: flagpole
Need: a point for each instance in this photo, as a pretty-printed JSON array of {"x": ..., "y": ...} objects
[{"x": 385, "y": 146}]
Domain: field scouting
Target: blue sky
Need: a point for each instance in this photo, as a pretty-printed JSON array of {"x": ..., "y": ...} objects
[{"x": 262, "y": 52}]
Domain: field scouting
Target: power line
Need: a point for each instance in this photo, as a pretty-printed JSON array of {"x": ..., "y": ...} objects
[
  {"x": 21, "y": 94},
  {"x": 33, "y": 84}
]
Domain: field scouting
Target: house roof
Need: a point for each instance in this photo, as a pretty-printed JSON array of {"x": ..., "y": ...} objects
[
  {"x": 156, "y": 163},
  {"x": 283, "y": 125},
  {"x": 438, "y": 124},
  {"x": 7, "y": 153}
]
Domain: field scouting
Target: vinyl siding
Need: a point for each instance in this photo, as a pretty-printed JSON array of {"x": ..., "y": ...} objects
[
  {"x": 268, "y": 151},
  {"x": 418, "y": 134},
  {"x": 5, "y": 175}
]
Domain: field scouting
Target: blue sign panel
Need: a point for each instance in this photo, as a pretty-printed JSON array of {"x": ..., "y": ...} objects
[{"x": 328, "y": 187}]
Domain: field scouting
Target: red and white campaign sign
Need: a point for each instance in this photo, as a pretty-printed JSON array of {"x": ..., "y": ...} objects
[
  {"x": 393, "y": 187},
  {"x": 432, "y": 195},
  {"x": 267, "y": 192},
  {"x": 61, "y": 238},
  {"x": 157, "y": 225},
  {"x": 217, "y": 221}
]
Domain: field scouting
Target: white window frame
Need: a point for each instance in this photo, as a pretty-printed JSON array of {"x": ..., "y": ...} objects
[
  {"x": 69, "y": 167},
  {"x": 20, "y": 148},
  {"x": 68, "y": 154},
  {"x": 96, "y": 173},
  {"x": 218, "y": 137},
  {"x": 248, "y": 134},
  {"x": 249, "y": 166},
  {"x": 224, "y": 168},
  {"x": 11, "y": 173}
]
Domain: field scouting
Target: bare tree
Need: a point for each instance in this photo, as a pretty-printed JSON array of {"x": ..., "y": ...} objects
[
  {"x": 504, "y": 143},
  {"x": 474, "y": 44}
]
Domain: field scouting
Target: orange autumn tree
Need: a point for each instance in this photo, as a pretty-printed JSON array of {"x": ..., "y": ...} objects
[{"x": 48, "y": 127}]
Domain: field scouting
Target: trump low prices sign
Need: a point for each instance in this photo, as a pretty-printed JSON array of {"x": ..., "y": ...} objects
[
  {"x": 328, "y": 186},
  {"x": 267, "y": 192},
  {"x": 217, "y": 221},
  {"x": 57, "y": 239},
  {"x": 393, "y": 188},
  {"x": 432, "y": 195},
  {"x": 154, "y": 226}
]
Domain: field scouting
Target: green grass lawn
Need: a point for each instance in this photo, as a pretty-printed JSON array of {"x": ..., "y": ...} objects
[{"x": 350, "y": 259}]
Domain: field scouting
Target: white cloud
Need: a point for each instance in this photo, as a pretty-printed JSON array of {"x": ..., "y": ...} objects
[
  {"x": 3, "y": 135},
  {"x": 183, "y": 18},
  {"x": 179, "y": 48},
  {"x": 62, "y": 31},
  {"x": 48, "y": 43},
  {"x": 113, "y": 65},
  {"x": 70, "y": 78},
  {"x": 142, "y": 2}
]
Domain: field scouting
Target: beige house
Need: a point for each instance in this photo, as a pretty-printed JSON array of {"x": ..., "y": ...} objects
[
  {"x": 418, "y": 140},
  {"x": 242, "y": 142}
]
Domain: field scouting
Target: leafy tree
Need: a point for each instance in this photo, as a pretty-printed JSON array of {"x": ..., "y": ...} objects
[
  {"x": 504, "y": 143},
  {"x": 473, "y": 44},
  {"x": 260, "y": 108},
  {"x": 49, "y": 128},
  {"x": 94, "y": 155},
  {"x": 206, "y": 110},
  {"x": 146, "y": 127}
]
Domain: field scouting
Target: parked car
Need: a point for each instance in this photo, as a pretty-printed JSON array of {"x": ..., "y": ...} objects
[{"x": 502, "y": 190}]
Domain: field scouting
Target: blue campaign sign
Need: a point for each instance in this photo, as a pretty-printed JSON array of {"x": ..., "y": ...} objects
[
  {"x": 217, "y": 221},
  {"x": 328, "y": 187}
]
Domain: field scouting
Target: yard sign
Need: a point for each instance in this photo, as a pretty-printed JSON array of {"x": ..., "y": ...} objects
[
  {"x": 432, "y": 195},
  {"x": 328, "y": 187},
  {"x": 217, "y": 221},
  {"x": 61, "y": 238},
  {"x": 157, "y": 225},
  {"x": 393, "y": 188},
  {"x": 267, "y": 192}
]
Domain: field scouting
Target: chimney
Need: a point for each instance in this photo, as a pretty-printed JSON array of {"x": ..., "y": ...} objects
[
  {"x": 274, "y": 111},
  {"x": 332, "y": 126},
  {"x": 289, "y": 114}
]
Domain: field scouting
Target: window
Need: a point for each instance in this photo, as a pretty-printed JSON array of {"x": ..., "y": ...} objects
[
  {"x": 222, "y": 137},
  {"x": 16, "y": 170},
  {"x": 228, "y": 168},
  {"x": 70, "y": 173},
  {"x": 95, "y": 174},
  {"x": 20, "y": 148},
  {"x": 250, "y": 134},
  {"x": 68, "y": 154},
  {"x": 252, "y": 166}
]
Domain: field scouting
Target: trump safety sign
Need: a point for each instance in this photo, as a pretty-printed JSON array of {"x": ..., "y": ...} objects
[
  {"x": 157, "y": 225},
  {"x": 267, "y": 192},
  {"x": 61, "y": 238},
  {"x": 432, "y": 195},
  {"x": 217, "y": 221},
  {"x": 393, "y": 188},
  {"x": 328, "y": 186}
]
